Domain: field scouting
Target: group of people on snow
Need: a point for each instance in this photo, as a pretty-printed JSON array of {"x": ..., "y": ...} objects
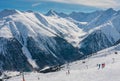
[{"x": 101, "y": 66}]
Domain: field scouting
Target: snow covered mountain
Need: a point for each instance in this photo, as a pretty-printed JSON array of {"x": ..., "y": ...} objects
[
  {"x": 102, "y": 33},
  {"x": 32, "y": 40},
  {"x": 98, "y": 38}
]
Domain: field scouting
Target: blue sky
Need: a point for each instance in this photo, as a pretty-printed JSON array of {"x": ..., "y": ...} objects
[{"x": 66, "y": 6}]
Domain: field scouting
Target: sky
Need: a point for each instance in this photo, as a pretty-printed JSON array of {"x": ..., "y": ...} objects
[{"x": 66, "y": 6}]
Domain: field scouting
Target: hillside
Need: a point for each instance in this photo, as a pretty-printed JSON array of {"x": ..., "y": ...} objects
[{"x": 87, "y": 71}]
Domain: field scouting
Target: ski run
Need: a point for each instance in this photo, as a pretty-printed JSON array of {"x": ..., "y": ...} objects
[{"x": 83, "y": 70}]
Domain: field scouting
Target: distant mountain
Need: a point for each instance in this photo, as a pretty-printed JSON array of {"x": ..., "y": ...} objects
[
  {"x": 78, "y": 16},
  {"x": 53, "y": 13},
  {"x": 99, "y": 38},
  {"x": 7, "y": 12},
  {"x": 104, "y": 32}
]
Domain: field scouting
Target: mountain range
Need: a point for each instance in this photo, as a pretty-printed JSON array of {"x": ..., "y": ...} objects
[{"x": 31, "y": 40}]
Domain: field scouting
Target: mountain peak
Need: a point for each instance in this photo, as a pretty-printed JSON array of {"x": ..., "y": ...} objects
[
  {"x": 30, "y": 11},
  {"x": 10, "y": 10},
  {"x": 7, "y": 12},
  {"x": 51, "y": 13},
  {"x": 110, "y": 10}
]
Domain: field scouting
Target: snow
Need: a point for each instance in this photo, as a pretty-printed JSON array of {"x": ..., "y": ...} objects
[
  {"x": 84, "y": 23},
  {"x": 5, "y": 32},
  {"x": 79, "y": 71},
  {"x": 70, "y": 31},
  {"x": 109, "y": 30},
  {"x": 29, "y": 57}
]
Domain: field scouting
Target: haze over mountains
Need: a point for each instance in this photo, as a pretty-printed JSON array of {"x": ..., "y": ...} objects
[{"x": 32, "y": 40}]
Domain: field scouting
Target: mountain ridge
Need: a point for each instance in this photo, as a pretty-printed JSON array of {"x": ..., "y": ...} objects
[{"x": 48, "y": 40}]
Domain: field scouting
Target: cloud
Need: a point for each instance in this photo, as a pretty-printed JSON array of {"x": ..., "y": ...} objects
[
  {"x": 35, "y": 4},
  {"x": 93, "y": 3}
]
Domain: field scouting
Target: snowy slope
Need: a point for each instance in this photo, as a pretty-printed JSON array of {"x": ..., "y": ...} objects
[{"x": 87, "y": 71}]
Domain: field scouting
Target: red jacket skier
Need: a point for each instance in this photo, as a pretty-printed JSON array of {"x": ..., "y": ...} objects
[{"x": 103, "y": 65}]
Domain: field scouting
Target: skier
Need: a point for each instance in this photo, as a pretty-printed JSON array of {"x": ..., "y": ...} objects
[
  {"x": 68, "y": 71},
  {"x": 113, "y": 60},
  {"x": 99, "y": 65},
  {"x": 103, "y": 65},
  {"x": 87, "y": 66},
  {"x": 38, "y": 78}
]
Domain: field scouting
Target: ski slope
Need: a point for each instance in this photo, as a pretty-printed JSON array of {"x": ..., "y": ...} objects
[{"x": 80, "y": 71}]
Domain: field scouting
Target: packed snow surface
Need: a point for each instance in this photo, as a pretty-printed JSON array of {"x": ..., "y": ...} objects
[{"x": 80, "y": 71}]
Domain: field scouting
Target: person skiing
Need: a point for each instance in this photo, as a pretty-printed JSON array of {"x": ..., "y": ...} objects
[
  {"x": 68, "y": 72},
  {"x": 38, "y": 78},
  {"x": 87, "y": 66},
  {"x": 99, "y": 65},
  {"x": 113, "y": 60},
  {"x": 103, "y": 65},
  {"x": 68, "y": 69}
]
